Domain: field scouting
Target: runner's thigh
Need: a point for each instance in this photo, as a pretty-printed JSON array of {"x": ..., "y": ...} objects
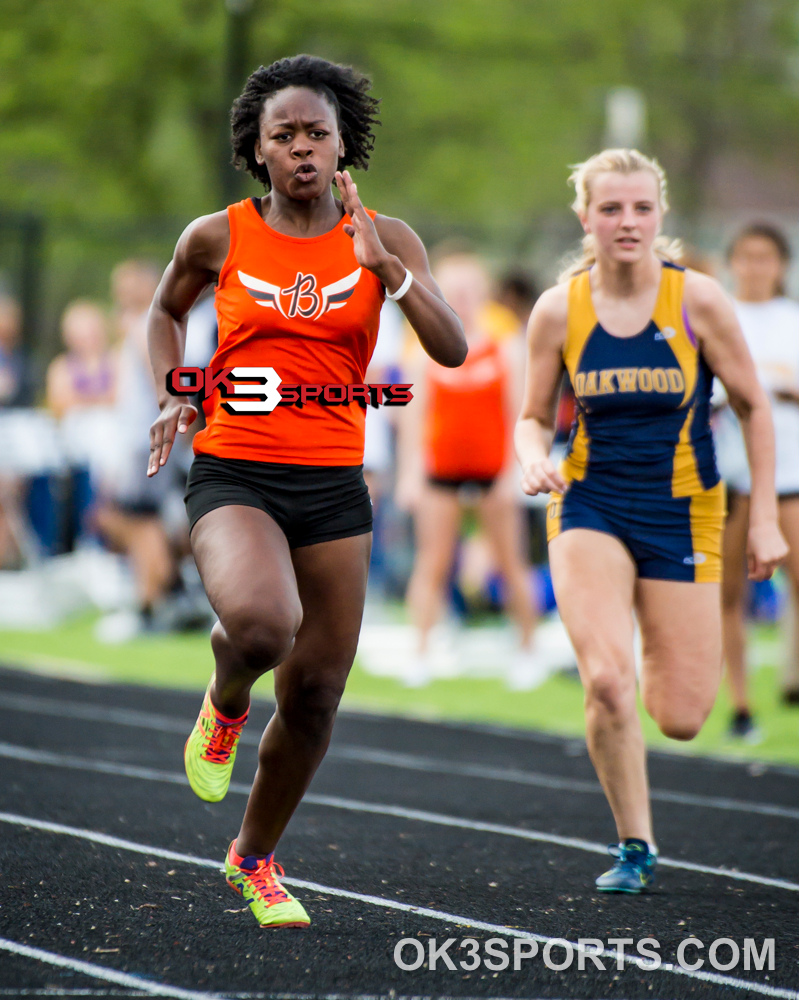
[
  {"x": 594, "y": 579},
  {"x": 245, "y": 564},
  {"x": 682, "y": 652}
]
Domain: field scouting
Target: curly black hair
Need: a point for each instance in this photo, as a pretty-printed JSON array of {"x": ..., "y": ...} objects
[{"x": 345, "y": 88}]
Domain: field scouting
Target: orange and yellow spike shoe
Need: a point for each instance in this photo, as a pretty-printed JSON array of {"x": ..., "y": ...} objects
[
  {"x": 210, "y": 751},
  {"x": 258, "y": 881}
]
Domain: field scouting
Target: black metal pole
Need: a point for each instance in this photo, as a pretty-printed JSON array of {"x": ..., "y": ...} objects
[{"x": 237, "y": 68}]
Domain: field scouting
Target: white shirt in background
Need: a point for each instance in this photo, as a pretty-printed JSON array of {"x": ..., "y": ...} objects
[
  {"x": 771, "y": 330},
  {"x": 377, "y": 454}
]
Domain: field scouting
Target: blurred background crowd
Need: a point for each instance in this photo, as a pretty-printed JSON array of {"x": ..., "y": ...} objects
[{"x": 114, "y": 136}]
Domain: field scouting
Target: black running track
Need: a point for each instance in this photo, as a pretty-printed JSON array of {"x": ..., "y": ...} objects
[{"x": 410, "y": 830}]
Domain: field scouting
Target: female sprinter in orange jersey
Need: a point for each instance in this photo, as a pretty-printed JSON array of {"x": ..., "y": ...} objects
[
  {"x": 636, "y": 513},
  {"x": 280, "y": 515}
]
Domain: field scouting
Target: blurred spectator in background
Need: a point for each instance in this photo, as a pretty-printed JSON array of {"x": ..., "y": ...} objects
[
  {"x": 15, "y": 380},
  {"x": 697, "y": 260},
  {"x": 85, "y": 374},
  {"x": 202, "y": 334},
  {"x": 758, "y": 258},
  {"x": 384, "y": 367},
  {"x": 379, "y": 438},
  {"x": 81, "y": 387},
  {"x": 130, "y": 519},
  {"x": 517, "y": 292},
  {"x": 11, "y": 548},
  {"x": 14, "y": 391},
  {"x": 456, "y": 450},
  {"x": 202, "y": 337}
]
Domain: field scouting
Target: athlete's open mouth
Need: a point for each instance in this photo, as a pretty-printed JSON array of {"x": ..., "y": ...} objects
[{"x": 306, "y": 172}]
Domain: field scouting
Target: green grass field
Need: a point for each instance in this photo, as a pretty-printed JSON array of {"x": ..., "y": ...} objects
[{"x": 185, "y": 661}]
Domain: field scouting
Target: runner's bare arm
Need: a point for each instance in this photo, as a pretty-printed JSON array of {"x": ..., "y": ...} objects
[
  {"x": 535, "y": 428},
  {"x": 388, "y": 247},
  {"x": 199, "y": 256},
  {"x": 715, "y": 324},
  {"x": 60, "y": 390}
]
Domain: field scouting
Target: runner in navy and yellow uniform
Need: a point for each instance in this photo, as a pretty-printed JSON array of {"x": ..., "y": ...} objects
[
  {"x": 279, "y": 512},
  {"x": 636, "y": 511},
  {"x": 640, "y": 463}
]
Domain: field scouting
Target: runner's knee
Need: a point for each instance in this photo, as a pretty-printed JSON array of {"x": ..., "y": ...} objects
[
  {"x": 608, "y": 690},
  {"x": 263, "y": 637},
  {"x": 682, "y": 724}
]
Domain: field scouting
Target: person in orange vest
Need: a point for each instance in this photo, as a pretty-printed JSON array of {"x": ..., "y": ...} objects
[{"x": 456, "y": 449}]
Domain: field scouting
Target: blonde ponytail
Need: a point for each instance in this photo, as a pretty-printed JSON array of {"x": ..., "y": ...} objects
[{"x": 621, "y": 161}]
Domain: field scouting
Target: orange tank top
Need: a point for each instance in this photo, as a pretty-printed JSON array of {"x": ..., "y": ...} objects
[
  {"x": 467, "y": 421},
  {"x": 307, "y": 309}
]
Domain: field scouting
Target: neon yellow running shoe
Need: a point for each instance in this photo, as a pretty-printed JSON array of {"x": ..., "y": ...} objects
[
  {"x": 258, "y": 881},
  {"x": 210, "y": 752}
]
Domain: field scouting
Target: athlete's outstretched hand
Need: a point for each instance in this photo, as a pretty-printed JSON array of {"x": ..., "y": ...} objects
[
  {"x": 542, "y": 477},
  {"x": 369, "y": 251},
  {"x": 765, "y": 550},
  {"x": 175, "y": 417}
]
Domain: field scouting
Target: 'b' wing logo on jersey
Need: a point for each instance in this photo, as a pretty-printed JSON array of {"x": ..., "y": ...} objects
[
  {"x": 335, "y": 296},
  {"x": 304, "y": 300},
  {"x": 264, "y": 293}
]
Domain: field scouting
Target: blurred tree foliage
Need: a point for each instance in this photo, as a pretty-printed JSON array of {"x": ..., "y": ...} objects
[{"x": 113, "y": 110}]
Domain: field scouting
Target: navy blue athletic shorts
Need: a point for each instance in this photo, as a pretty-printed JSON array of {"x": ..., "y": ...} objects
[{"x": 669, "y": 538}]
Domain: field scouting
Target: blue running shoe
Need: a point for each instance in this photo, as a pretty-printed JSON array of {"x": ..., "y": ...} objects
[{"x": 634, "y": 870}]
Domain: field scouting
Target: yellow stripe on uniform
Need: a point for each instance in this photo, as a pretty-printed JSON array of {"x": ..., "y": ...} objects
[
  {"x": 708, "y": 510},
  {"x": 581, "y": 323},
  {"x": 554, "y": 510},
  {"x": 575, "y": 464},
  {"x": 685, "y": 481},
  {"x": 668, "y": 317}
]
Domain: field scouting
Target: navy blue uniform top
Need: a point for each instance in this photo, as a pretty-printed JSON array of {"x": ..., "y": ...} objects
[{"x": 643, "y": 402}]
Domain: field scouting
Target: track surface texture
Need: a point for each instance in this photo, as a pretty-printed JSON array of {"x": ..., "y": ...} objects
[{"x": 410, "y": 830}]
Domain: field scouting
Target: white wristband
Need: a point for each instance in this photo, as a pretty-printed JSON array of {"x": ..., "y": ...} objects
[{"x": 403, "y": 288}]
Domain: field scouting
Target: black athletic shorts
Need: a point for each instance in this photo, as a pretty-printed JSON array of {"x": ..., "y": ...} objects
[
  {"x": 481, "y": 485},
  {"x": 310, "y": 503}
]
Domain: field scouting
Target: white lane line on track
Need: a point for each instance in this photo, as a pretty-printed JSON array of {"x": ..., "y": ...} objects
[
  {"x": 385, "y": 758},
  {"x": 378, "y": 809},
  {"x": 390, "y": 904},
  {"x": 54, "y": 991},
  {"x": 436, "y": 765},
  {"x": 146, "y": 986}
]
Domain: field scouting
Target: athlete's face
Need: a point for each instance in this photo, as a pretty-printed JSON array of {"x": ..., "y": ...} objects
[
  {"x": 757, "y": 268},
  {"x": 623, "y": 215},
  {"x": 299, "y": 143},
  {"x": 464, "y": 284},
  {"x": 83, "y": 330}
]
